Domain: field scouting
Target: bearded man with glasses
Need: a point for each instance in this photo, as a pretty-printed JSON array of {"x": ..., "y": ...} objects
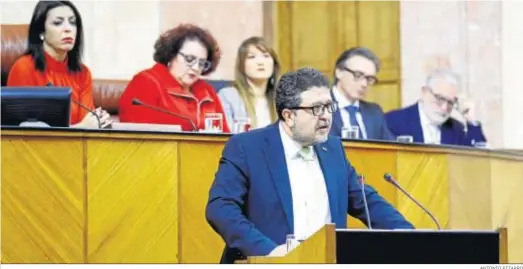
[
  {"x": 290, "y": 177},
  {"x": 429, "y": 120},
  {"x": 174, "y": 85}
]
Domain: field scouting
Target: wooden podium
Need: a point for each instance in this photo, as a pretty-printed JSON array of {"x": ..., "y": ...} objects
[
  {"x": 319, "y": 248},
  {"x": 347, "y": 246}
]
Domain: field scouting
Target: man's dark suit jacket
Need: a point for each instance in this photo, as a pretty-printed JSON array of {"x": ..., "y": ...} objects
[
  {"x": 406, "y": 121},
  {"x": 373, "y": 118},
  {"x": 250, "y": 201}
]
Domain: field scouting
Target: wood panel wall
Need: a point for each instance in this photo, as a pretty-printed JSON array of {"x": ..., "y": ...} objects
[
  {"x": 315, "y": 33},
  {"x": 110, "y": 197}
]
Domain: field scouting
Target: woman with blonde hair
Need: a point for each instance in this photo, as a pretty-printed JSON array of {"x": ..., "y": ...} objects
[{"x": 252, "y": 94}]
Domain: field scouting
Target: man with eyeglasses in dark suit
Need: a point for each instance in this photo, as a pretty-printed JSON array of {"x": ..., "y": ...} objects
[
  {"x": 290, "y": 178},
  {"x": 429, "y": 120},
  {"x": 355, "y": 73}
]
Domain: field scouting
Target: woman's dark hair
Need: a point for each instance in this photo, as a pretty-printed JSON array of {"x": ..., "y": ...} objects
[
  {"x": 37, "y": 28},
  {"x": 169, "y": 44}
]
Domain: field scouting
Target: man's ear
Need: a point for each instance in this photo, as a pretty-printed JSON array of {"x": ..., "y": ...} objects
[
  {"x": 337, "y": 74},
  {"x": 424, "y": 91},
  {"x": 288, "y": 116}
]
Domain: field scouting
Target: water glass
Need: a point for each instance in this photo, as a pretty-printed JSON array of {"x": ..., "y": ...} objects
[
  {"x": 350, "y": 132},
  {"x": 214, "y": 122},
  {"x": 241, "y": 125},
  {"x": 292, "y": 242},
  {"x": 405, "y": 139}
]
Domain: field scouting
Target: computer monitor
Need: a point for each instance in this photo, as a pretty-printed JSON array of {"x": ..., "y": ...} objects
[{"x": 35, "y": 106}]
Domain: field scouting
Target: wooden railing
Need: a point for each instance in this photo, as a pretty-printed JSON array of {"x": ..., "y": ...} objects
[{"x": 74, "y": 196}]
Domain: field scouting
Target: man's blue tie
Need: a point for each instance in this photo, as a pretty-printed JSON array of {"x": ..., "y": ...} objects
[{"x": 352, "y": 117}]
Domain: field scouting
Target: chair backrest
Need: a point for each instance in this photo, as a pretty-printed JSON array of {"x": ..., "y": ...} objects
[
  {"x": 107, "y": 92},
  {"x": 219, "y": 84},
  {"x": 14, "y": 44}
]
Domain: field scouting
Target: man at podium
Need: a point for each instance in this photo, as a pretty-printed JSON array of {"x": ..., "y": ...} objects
[{"x": 290, "y": 177}]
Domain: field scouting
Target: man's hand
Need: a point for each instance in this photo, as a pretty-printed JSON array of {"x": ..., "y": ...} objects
[
  {"x": 467, "y": 108},
  {"x": 279, "y": 251}
]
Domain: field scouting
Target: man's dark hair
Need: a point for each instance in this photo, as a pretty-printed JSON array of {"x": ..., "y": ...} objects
[
  {"x": 352, "y": 52},
  {"x": 292, "y": 84}
]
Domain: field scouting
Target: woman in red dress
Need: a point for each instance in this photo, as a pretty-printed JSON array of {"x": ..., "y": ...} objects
[{"x": 54, "y": 55}]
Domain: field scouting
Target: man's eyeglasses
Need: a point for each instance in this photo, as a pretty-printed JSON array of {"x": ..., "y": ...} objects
[
  {"x": 190, "y": 60},
  {"x": 371, "y": 80},
  {"x": 318, "y": 110},
  {"x": 442, "y": 100}
]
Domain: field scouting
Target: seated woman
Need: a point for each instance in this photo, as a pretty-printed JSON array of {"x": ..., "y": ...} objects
[
  {"x": 173, "y": 84},
  {"x": 252, "y": 94},
  {"x": 53, "y": 57}
]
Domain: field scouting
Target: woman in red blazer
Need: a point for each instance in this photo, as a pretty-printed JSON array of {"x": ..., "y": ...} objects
[{"x": 173, "y": 84}]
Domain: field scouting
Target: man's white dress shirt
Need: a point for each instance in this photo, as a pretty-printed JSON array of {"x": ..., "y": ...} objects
[
  {"x": 431, "y": 132},
  {"x": 310, "y": 201},
  {"x": 345, "y": 117}
]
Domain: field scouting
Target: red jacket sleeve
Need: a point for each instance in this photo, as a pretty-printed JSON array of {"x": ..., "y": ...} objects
[{"x": 144, "y": 88}]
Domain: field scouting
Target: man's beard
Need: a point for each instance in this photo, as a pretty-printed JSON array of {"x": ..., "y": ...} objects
[
  {"x": 439, "y": 119},
  {"x": 302, "y": 140},
  {"x": 306, "y": 140},
  {"x": 435, "y": 117}
]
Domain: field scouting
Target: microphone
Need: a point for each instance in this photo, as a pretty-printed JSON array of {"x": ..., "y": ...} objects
[
  {"x": 388, "y": 177},
  {"x": 138, "y": 102},
  {"x": 90, "y": 111},
  {"x": 367, "y": 214},
  {"x": 49, "y": 84}
]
